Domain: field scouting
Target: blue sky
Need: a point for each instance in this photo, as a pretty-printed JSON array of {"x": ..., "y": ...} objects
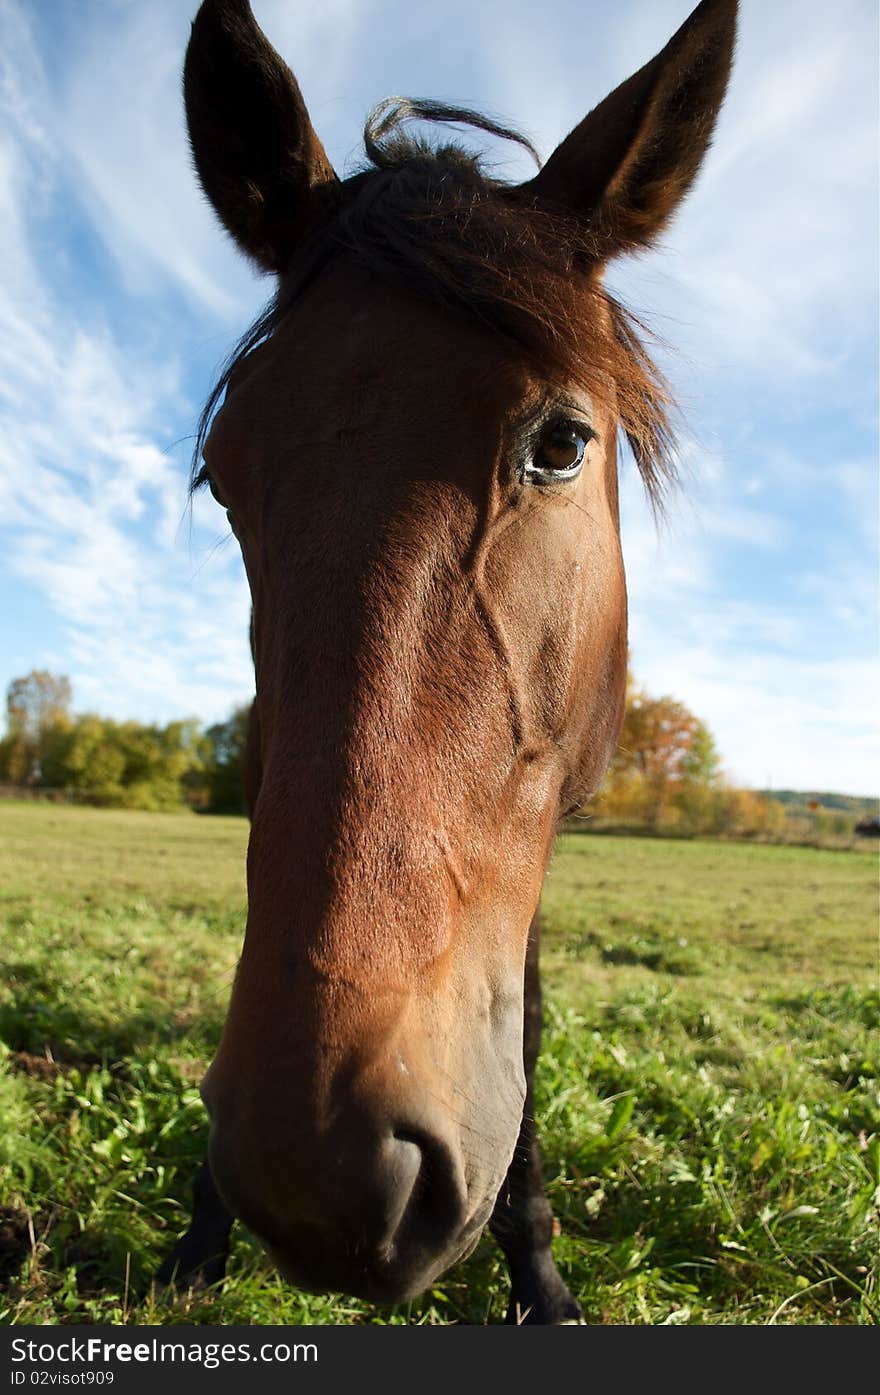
[{"x": 756, "y": 604}]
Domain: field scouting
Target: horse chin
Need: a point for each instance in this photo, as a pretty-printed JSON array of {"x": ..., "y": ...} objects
[{"x": 386, "y": 1278}]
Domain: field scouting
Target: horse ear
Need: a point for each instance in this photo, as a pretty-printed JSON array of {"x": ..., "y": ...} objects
[
  {"x": 258, "y": 158},
  {"x": 631, "y": 161}
]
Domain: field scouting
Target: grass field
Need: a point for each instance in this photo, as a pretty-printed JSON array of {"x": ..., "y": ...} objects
[{"x": 708, "y": 1089}]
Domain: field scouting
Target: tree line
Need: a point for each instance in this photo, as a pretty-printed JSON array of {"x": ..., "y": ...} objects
[
  {"x": 666, "y": 775},
  {"x": 123, "y": 765}
]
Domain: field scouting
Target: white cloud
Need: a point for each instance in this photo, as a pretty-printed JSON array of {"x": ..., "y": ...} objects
[
  {"x": 91, "y": 505},
  {"x": 779, "y": 720},
  {"x": 787, "y": 679},
  {"x": 134, "y": 171},
  {"x": 766, "y": 270}
]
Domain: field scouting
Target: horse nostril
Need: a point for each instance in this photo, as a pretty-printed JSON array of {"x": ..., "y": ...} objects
[
  {"x": 437, "y": 1200},
  {"x": 401, "y": 1169}
]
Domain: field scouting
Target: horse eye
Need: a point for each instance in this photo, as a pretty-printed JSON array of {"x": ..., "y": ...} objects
[
  {"x": 560, "y": 454},
  {"x": 205, "y": 478},
  {"x": 212, "y": 485}
]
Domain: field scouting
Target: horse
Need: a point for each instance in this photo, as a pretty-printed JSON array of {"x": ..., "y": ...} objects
[{"x": 417, "y": 448}]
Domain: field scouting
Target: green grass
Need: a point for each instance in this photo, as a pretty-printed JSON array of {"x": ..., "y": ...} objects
[{"x": 708, "y": 1088}]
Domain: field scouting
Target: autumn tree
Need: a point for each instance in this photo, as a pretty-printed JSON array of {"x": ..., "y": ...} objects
[
  {"x": 666, "y": 761},
  {"x": 37, "y": 711},
  {"x": 95, "y": 764}
]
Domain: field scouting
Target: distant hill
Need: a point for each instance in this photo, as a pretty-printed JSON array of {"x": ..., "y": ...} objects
[{"x": 799, "y": 801}]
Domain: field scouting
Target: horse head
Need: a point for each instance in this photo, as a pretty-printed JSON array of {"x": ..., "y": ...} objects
[{"x": 417, "y": 449}]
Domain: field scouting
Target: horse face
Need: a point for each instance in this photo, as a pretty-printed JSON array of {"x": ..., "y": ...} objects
[{"x": 439, "y": 643}]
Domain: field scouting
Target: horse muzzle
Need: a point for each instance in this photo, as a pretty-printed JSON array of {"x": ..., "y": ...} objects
[{"x": 377, "y": 1213}]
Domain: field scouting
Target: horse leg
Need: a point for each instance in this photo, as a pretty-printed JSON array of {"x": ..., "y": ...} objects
[
  {"x": 522, "y": 1221},
  {"x": 199, "y": 1257}
]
